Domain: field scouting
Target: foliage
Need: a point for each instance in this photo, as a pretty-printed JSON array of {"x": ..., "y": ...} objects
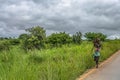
[
  {"x": 14, "y": 41},
  {"x": 23, "y": 36},
  {"x": 77, "y": 38},
  {"x": 58, "y": 39},
  {"x": 34, "y": 39},
  {"x": 65, "y": 63},
  {"x": 91, "y": 36},
  {"x": 4, "y": 38},
  {"x": 4, "y": 45},
  {"x": 37, "y": 31}
]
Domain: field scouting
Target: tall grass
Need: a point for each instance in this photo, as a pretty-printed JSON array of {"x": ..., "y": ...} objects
[{"x": 65, "y": 63}]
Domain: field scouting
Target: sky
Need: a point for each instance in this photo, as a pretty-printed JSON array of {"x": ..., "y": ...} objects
[{"x": 60, "y": 15}]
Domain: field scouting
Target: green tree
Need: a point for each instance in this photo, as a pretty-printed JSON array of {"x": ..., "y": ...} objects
[
  {"x": 77, "y": 38},
  {"x": 37, "y": 31},
  {"x": 23, "y": 36},
  {"x": 35, "y": 38},
  {"x": 4, "y": 45},
  {"x": 92, "y": 35},
  {"x": 58, "y": 39}
]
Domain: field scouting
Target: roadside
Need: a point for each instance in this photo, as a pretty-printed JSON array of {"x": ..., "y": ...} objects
[{"x": 108, "y": 68}]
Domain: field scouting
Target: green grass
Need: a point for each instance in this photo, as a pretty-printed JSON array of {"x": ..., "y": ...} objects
[{"x": 65, "y": 63}]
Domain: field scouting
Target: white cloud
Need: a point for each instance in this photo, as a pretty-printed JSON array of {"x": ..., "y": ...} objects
[
  {"x": 114, "y": 36},
  {"x": 60, "y": 15}
]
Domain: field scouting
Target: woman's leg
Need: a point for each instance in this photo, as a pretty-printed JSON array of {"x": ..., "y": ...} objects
[{"x": 97, "y": 60}]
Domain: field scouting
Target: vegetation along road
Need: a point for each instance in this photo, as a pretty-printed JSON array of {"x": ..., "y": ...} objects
[
  {"x": 108, "y": 71},
  {"x": 59, "y": 56}
]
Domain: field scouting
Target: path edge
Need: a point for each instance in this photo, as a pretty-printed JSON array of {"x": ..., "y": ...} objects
[{"x": 90, "y": 71}]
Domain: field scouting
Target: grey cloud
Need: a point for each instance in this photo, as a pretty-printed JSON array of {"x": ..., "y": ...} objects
[
  {"x": 60, "y": 15},
  {"x": 46, "y": 3}
]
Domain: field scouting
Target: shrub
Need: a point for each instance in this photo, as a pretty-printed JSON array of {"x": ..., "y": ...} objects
[
  {"x": 58, "y": 39},
  {"x": 34, "y": 39},
  {"x": 77, "y": 38},
  {"x": 14, "y": 41},
  {"x": 4, "y": 45},
  {"x": 91, "y": 36}
]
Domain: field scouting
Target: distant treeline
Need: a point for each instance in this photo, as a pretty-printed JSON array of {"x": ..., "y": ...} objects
[{"x": 36, "y": 38}]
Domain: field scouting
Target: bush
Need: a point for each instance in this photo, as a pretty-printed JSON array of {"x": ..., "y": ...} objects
[
  {"x": 58, "y": 39},
  {"x": 34, "y": 39},
  {"x": 14, "y": 41},
  {"x": 4, "y": 45},
  {"x": 77, "y": 38},
  {"x": 91, "y": 36}
]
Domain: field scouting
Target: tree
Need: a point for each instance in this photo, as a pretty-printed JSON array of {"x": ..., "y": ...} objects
[
  {"x": 23, "y": 36},
  {"x": 92, "y": 35},
  {"x": 35, "y": 38},
  {"x": 58, "y": 39},
  {"x": 37, "y": 31},
  {"x": 77, "y": 37}
]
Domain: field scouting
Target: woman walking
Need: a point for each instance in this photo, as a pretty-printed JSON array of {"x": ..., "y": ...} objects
[
  {"x": 97, "y": 46},
  {"x": 96, "y": 57}
]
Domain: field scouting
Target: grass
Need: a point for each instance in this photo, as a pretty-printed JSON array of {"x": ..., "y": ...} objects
[{"x": 65, "y": 63}]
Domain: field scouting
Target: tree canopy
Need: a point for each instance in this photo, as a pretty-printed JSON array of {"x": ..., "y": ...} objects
[{"x": 92, "y": 35}]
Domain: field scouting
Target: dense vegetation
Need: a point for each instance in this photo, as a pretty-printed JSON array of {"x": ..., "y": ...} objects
[
  {"x": 35, "y": 56},
  {"x": 35, "y": 38}
]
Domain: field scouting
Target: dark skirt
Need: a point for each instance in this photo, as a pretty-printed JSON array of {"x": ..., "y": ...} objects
[{"x": 96, "y": 58}]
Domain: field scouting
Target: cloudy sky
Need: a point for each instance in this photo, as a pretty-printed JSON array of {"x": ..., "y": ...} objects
[{"x": 60, "y": 15}]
